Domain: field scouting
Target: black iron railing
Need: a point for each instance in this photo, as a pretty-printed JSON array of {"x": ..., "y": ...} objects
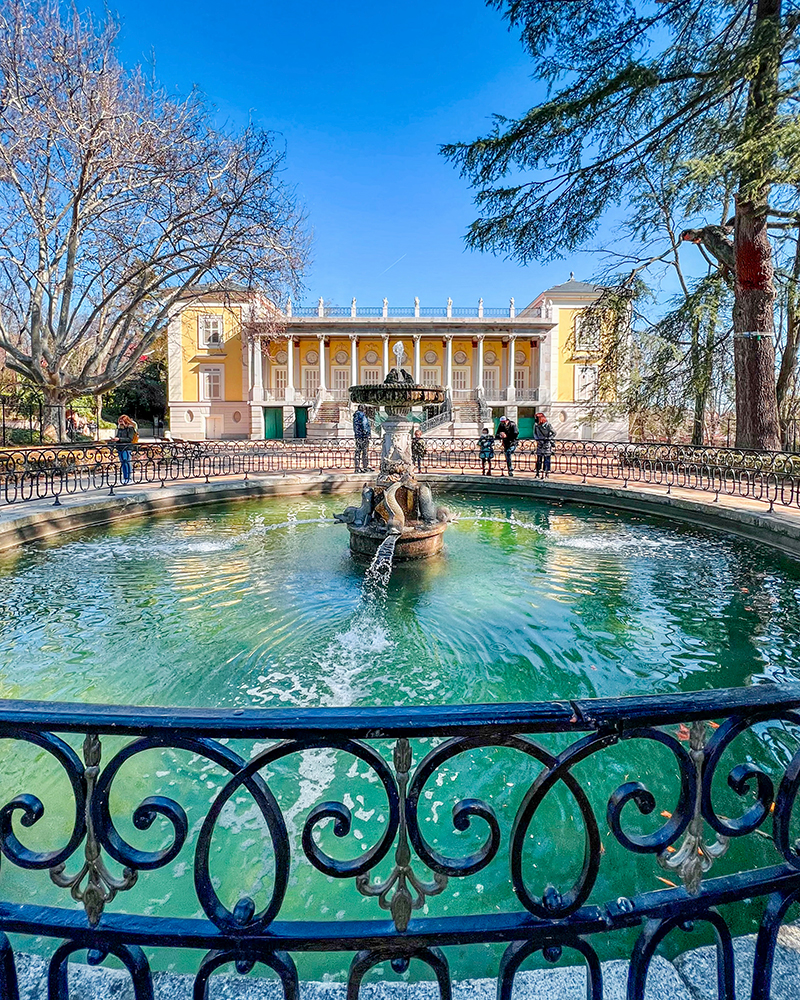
[
  {"x": 742, "y": 744},
  {"x": 772, "y": 478}
]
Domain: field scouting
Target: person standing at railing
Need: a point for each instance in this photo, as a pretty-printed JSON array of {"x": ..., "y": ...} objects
[
  {"x": 362, "y": 431},
  {"x": 507, "y": 434},
  {"x": 127, "y": 435},
  {"x": 417, "y": 448},
  {"x": 544, "y": 435},
  {"x": 486, "y": 451}
]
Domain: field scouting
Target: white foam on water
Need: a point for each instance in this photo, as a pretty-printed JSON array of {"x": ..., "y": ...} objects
[
  {"x": 129, "y": 550},
  {"x": 262, "y": 529},
  {"x": 625, "y": 542},
  {"x": 349, "y": 654},
  {"x": 352, "y": 651}
]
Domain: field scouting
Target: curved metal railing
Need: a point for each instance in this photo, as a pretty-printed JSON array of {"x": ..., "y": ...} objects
[
  {"x": 730, "y": 773},
  {"x": 38, "y": 473}
]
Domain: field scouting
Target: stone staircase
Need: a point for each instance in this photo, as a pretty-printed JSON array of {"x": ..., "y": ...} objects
[
  {"x": 328, "y": 413},
  {"x": 469, "y": 413}
]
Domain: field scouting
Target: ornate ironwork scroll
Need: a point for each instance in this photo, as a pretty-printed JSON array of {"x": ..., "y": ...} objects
[{"x": 561, "y": 749}]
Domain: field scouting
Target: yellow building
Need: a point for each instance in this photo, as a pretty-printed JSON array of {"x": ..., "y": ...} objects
[{"x": 238, "y": 370}]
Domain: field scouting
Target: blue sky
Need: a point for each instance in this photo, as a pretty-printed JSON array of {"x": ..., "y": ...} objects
[{"x": 363, "y": 94}]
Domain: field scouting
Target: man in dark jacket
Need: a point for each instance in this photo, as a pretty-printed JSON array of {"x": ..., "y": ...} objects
[
  {"x": 545, "y": 436},
  {"x": 507, "y": 434},
  {"x": 362, "y": 431}
]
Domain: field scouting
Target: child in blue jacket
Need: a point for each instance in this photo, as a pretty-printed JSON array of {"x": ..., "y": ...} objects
[{"x": 486, "y": 449}]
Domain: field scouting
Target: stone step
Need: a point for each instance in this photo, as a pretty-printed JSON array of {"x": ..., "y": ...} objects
[{"x": 328, "y": 413}]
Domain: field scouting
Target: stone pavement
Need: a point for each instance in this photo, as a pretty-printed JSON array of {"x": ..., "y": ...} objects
[
  {"x": 663, "y": 983},
  {"x": 692, "y": 976}
]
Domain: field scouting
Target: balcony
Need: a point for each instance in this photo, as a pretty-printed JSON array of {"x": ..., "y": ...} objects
[{"x": 415, "y": 311}]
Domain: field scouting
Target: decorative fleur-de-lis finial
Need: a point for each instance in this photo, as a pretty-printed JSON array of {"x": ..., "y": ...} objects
[
  {"x": 695, "y": 857},
  {"x": 402, "y": 879},
  {"x": 101, "y": 886}
]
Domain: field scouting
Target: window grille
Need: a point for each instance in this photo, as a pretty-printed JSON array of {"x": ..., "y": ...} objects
[
  {"x": 585, "y": 382},
  {"x": 211, "y": 383},
  {"x": 210, "y": 330},
  {"x": 586, "y": 336}
]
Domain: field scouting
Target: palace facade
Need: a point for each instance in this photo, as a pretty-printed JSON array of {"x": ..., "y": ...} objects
[{"x": 237, "y": 370}]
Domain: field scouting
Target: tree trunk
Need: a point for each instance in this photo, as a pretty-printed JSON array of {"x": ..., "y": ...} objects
[
  {"x": 55, "y": 405},
  {"x": 699, "y": 418},
  {"x": 757, "y": 424}
]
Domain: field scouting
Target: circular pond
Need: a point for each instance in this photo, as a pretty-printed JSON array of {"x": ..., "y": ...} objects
[{"x": 260, "y": 604}]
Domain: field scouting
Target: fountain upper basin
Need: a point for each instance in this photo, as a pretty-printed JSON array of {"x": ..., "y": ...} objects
[{"x": 392, "y": 395}]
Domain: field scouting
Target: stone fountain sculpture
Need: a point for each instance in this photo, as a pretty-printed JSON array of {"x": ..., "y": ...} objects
[{"x": 396, "y": 504}]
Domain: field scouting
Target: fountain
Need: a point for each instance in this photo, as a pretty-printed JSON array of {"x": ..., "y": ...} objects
[{"x": 397, "y": 506}]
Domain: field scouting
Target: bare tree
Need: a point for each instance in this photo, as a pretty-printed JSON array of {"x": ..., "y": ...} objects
[{"x": 117, "y": 200}]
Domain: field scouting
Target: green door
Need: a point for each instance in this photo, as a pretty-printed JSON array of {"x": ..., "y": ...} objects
[
  {"x": 525, "y": 425},
  {"x": 273, "y": 422},
  {"x": 300, "y": 421}
]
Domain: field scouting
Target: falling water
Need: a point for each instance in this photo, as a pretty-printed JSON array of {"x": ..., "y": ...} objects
[
  {"x": 380, "y": 569},
  {"x": 353, "y": 650}
]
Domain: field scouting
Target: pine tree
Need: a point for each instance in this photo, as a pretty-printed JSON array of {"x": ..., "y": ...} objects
[{"x": 625, "y": 79}]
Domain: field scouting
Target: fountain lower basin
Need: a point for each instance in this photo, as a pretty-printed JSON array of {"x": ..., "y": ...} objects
[{"x": 415, "y": 542}]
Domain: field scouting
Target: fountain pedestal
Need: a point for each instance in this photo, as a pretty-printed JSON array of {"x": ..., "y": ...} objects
[{"x": 396, "y": 504}]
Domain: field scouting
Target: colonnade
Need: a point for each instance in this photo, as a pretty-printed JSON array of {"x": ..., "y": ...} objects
[{"x": 256, "y": 371}]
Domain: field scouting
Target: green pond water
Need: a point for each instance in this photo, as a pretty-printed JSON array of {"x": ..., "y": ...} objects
[{"x": 260, "y": 604}]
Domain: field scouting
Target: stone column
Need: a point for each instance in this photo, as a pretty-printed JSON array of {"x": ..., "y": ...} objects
[
  {"x": 258, "y": 374},
  {"x": 322, "y": 363},
  {"x": 290, "y": 369},
  {"x": 354, "y": 359},
  {"x": 448, "y": 363},
  {"x": 385, "y": 355},
  {"x": 510, "y": 393},
  {"x": 257, "y": 422},
  {"x": 480, "y": 362},
  {"x": 417, "y": 368}
]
